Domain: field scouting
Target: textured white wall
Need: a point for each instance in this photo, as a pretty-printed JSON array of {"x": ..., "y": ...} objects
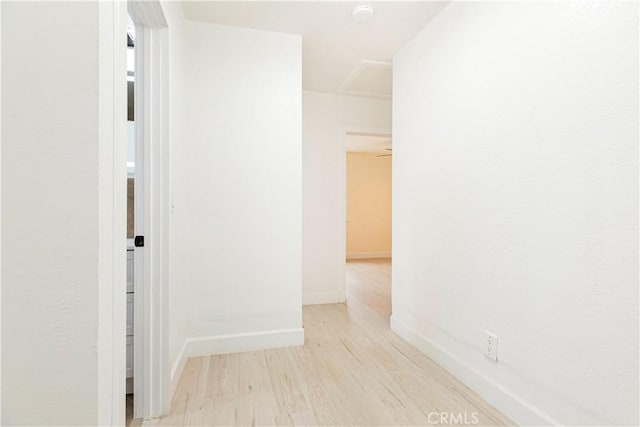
[
  {"x": 0, "y": 215},
  {"x": 239, "y": 198},
  {"x": 56, "y": 362},
  {"x": 516, "y": 204},
  {"x": 178, "y": 246},
  {"x": 323, "y": 118}
]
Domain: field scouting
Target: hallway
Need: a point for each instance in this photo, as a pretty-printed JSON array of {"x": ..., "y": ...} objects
[{"x": 352, "y": 370}]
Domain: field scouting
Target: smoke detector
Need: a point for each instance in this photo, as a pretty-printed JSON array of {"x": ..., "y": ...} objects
[{"x": 362, "y": 13}]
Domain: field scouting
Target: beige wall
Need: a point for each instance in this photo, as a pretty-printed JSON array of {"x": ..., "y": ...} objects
[{"x": 368, "y": 204}]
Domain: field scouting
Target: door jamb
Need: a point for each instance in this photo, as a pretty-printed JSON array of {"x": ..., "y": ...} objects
[
  {"x": 342, "y": 194},
  {"x": 112, "y": 194},
  {"x": 151, "y": 331}
]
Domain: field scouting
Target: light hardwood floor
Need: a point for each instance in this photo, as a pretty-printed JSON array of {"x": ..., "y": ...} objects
[{"x": 352, "y": 370}]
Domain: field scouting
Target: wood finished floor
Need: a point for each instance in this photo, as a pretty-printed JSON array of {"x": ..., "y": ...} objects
[{"x": 352, "y": 370}]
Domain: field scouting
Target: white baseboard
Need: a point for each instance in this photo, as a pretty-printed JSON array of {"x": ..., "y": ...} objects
[
  {"x": 322, "y": 298},
  {"x": 234, "y": 343},
  {"x": 368, "y": 255},
  {"x": 176, "y": 371},
  {"x": 503, "y": 399}
]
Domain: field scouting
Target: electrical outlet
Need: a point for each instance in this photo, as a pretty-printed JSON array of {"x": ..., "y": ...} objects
[{"x": 491, "y": 345}]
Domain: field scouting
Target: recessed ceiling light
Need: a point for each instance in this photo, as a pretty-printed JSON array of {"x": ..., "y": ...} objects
[{"x": 362, "y": 13}]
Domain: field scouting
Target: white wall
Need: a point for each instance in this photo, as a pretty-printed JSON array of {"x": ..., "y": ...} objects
[
  {"x": 236, "y": 188},
  {"x": 59, "y": 345},
  {"x": 324, "y": 117},
  {"x": 516, "y": 204},
  {"x": 178, "y": 243},
  {"x": 0, "y": 216}
]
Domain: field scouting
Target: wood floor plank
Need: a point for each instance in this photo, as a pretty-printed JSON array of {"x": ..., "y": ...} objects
[{"x": 352, "y": 370}]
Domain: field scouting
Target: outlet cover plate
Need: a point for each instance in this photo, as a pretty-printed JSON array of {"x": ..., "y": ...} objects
[{"x": 491, "y": 345}]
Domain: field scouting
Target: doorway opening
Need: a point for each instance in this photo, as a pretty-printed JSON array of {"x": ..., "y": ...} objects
[
  {"x": 131, "y": 214},
  {"x": 368, "y": 208},
  {"x": 148, "y": 211}
]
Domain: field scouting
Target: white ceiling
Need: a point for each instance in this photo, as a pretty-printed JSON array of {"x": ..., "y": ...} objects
[
  {"x": 363, "y": 143},
  {"x": 339, "y": 55}
]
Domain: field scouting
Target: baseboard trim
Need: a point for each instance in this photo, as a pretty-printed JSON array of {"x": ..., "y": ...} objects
[
  {"x": 234, "y": 343},
  {"x": 503, "y": 399},
  {"x": 322, "y": 298},
  {"x": 368, "y": 255},
  {"x": 176, "y": 370}
]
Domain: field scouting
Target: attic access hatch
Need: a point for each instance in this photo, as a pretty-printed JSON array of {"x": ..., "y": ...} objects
[{"x": 369, "y": 78}]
